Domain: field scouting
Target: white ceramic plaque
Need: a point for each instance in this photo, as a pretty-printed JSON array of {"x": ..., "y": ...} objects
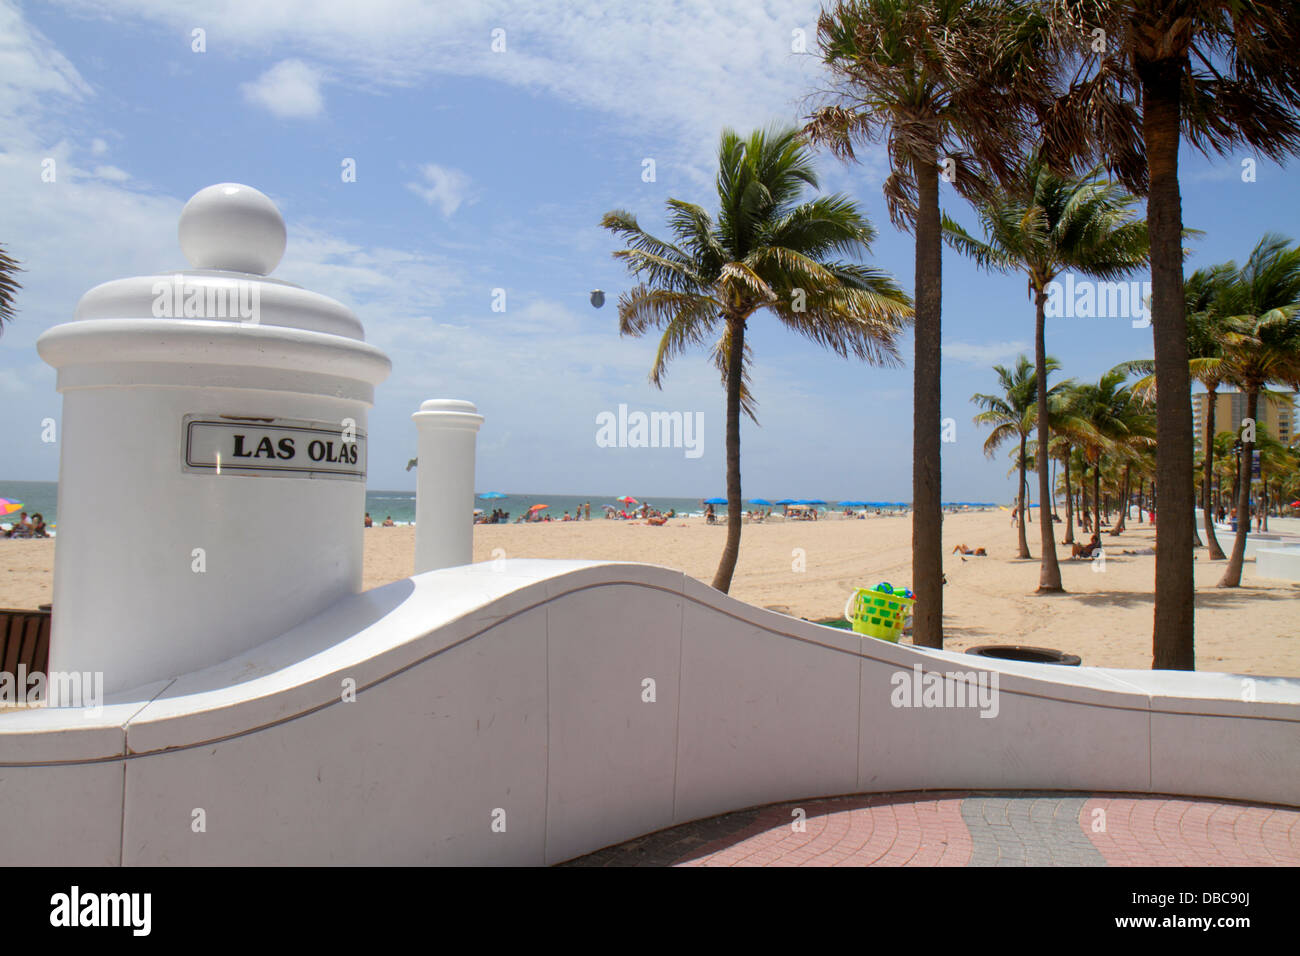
[{"x": 273, "y": 447}]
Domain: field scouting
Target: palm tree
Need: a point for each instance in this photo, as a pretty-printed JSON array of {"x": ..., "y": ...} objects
[
  {"x": 1274, "y": 461},
  {"x": 1205, "y": 331},
  {"x": 1135, "y": 434},
  {"x": 1044, "y": 225},
  {"x": 1013, "y": 415},
  {"x": 767, "y": 250},
  {"x": 1143, "y": 75},
  {"x": 9, "y": 287},
  {"x": 1261, "y": 302},
  {"x": 941, "y": 81},
  {"x": 1116, "y": 423}
]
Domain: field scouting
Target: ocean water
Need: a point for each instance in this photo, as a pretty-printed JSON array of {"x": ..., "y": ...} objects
[
  {"x": 42, "y": 496},
  {"x": 401, "y": 505},
  {"x": 38, "y": 497}
]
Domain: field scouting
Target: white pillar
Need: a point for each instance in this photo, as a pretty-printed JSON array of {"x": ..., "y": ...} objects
[
  {"x": 444, "y": 498},
  {"x": 213, "y": 456}
]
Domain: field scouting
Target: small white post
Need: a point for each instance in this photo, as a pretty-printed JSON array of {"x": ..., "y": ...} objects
[{"x": 444, "y": 497}]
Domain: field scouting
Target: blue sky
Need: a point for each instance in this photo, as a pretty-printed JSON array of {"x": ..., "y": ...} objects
[{"x": 479, "y": 170}]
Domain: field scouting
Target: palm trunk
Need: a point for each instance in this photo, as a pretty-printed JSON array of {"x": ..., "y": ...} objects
[
  {"x": 1142, "y": 497},
  {"x": 1232, "y": 574},
  {"x": 927, "y": 508},
  {"x": 1069, "y": 505},
  {"x": 1096, "y": 497},
  {"x": 1085, "y": 522},
  {"x": 1049, "y": 571},
  {"x": 1173, "y": 633},
  {"x": 735, "y": 375},
  {"x": 1020, "y": 502},
  {"x": 1216, "y": 552},
  {"x": 1122, "y": 523}
]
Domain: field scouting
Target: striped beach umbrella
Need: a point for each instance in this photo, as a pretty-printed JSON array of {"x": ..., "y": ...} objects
[{"x": 8, "y": 507}]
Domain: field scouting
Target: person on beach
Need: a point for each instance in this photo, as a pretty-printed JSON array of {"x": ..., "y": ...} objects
[
  {"x": 709, "y": 516},
  {"x": 1087, "y": 550},
  {"x": 369, "y": 521},
  {"x": 388, "y": 522},
  {"x": 38, "y": 526}
]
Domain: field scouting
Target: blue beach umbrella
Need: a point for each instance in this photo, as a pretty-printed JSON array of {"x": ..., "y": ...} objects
[
  {"x": 715, "y": 501},
  {"x": 759, "y": 501},
  {"x": 787, "y": 501},
  {"x": 493, "y": 494}
]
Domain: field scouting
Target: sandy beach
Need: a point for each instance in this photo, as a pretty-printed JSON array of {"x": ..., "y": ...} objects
[{"x": 1105, "y": 618}]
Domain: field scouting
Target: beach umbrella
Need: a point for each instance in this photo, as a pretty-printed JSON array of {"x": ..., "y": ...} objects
[
  {"x": 628, "y": 500},
  {"x": 786, "y": 501},
  {"x": 715, "y": 501},
  {"x": 537, "y": 508},
  {"x": 816, "y": 501},
  {"x": 492, "y": 495},
  {"x": 8, "y": 507},
  {"x": 609, "y": 507},
  {"x": 759, "y": 501}
]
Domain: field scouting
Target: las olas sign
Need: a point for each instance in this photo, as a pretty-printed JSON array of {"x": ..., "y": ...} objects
[{"x": 273, "y": 447}]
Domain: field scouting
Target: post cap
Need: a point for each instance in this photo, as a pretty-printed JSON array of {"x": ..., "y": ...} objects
[{"x": 231, "y": 227}]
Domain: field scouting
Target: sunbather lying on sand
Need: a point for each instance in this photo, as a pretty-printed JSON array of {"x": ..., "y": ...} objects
[
  {"x": 962, "y": 549},
  {"x": 1086, "y": 550}
]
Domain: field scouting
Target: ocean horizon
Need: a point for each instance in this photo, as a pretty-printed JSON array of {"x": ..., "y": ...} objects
[{"x": 42, "y": 497}]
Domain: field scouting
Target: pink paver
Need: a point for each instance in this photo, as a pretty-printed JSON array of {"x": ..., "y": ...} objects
[{"x": 1140, "y": 831}]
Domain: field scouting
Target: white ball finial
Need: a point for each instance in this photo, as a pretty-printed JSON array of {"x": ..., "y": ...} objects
[{"x": 233, "y": 228}]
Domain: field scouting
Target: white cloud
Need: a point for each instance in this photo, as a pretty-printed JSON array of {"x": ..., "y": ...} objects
[
  {"x": 98, "y": 147},
  {"x": 31, "y": 68},
  {"x": 983, "y": 354},
  {"x": 675, "y": 67},
  {"x": 290, "y": 89},
  {"x": 445, "y": 188},
  {"x": 111, "y": 173}
]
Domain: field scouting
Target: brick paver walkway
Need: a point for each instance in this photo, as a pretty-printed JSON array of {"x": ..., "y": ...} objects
[{"x": 976, "y": 829}]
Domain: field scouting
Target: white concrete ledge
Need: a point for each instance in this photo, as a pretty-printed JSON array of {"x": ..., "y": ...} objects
[
  {"x": 518, "y": 691},
  {"x": 1280, "y": 563}
]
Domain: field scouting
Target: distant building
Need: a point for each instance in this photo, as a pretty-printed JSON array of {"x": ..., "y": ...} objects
[{"x": 1277, "y": 415}]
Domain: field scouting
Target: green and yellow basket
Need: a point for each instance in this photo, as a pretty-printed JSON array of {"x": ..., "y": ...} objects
[{"x": 878, "y": 613}]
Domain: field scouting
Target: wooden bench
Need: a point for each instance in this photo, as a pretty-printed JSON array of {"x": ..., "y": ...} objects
[{"x": 24, "y": 639}]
